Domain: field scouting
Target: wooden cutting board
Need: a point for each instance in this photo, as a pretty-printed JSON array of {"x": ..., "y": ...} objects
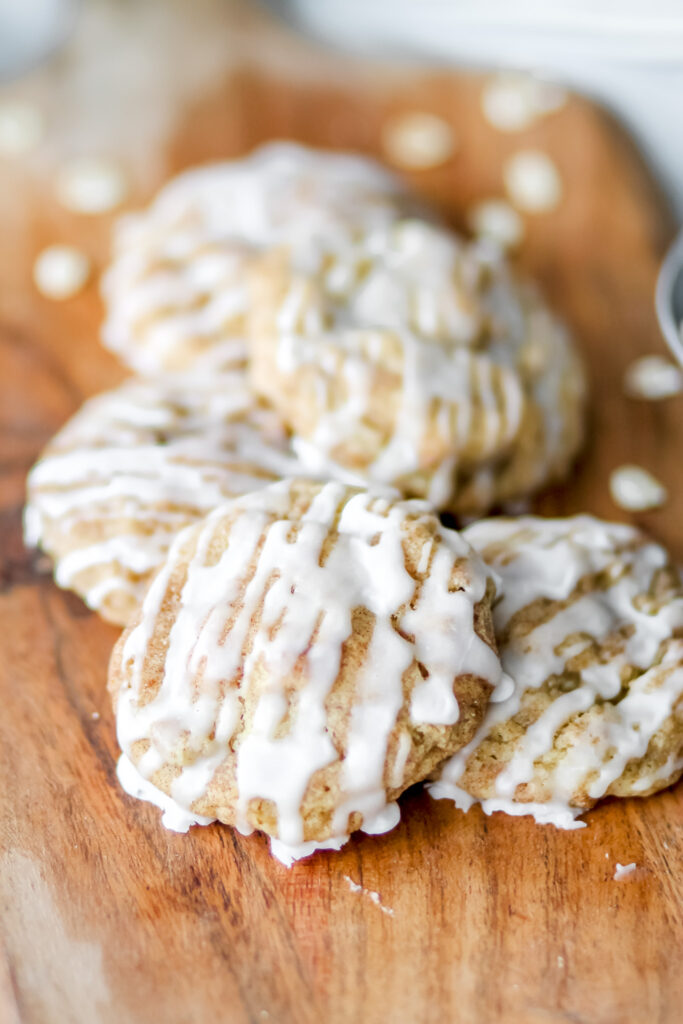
[{"x": 107, "y": 917}]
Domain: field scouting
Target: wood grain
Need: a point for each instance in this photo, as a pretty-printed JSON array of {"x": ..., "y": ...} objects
[{"x": 105, "y": 916}]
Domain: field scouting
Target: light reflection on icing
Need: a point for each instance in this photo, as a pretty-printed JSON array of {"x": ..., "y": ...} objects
[
  {"x": 548, "y": 559},
  {"x": 300, "y": 606}
]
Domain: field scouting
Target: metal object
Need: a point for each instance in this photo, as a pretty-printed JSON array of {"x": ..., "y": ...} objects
[{"x": 669, "y": 297}]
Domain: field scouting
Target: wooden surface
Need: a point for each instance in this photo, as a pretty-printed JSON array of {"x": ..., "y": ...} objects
[{"x": 104, "y": 915}]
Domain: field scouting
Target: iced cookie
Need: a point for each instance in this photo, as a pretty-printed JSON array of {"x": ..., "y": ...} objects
[
  {"x": 139, "y": 463},
  {"x": 414, "y": 359},
  {"x": 590, "y": 629},
  {"x": 176, "y": 294},
  {"x": 305, "y": 654}
]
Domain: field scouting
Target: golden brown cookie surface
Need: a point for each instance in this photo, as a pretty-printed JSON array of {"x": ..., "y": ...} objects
[
  {"x": 139, "y": 463},
  {"x": 414, "y": 359},
  {"x": 176, "y": 292},
  {"x": 590, "y": 629},
  {"x": 305, "y": 654}
]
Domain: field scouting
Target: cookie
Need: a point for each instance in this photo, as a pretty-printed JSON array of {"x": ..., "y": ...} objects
[
  {"x": 414, "y": 359},
  {"x": 139, "y": 463},
  {"x": 176, "y": 292},
  {"x": 590, "y": 630},
  {"x": 305, "y": 654}
]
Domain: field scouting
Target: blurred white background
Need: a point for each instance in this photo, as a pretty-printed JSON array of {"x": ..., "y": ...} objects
[
  {"x": 627, "y": 53},
  {"x": 30, "y": 30}
]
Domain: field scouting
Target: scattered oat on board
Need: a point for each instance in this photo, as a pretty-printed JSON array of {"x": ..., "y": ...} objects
[
  {"x": 91, "y": 186},
  {"x": 512, "y": 101},
  {"x": 61, "y": 271},
  {"x": 532, "y": 181},
  {"x": 653, "y": 378},
  {"x": 418, "y": 140},
  {"x": 496, "y": 220},
  {"x": 635, "y": 489},
  {"x": 21, "y": 128}
]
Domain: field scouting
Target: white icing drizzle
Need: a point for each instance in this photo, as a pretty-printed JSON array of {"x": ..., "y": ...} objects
[
  {"x": 270, "y": 574},
  {"x": 174, "y": 818},
  {"x": 369, "y": 307},
  {"x": 280, "y": 191},
  {"x": 287, "y": 854},
  {"x": 171, "y": 307},
  {"x": 459, "y": 383},
  {"x": 177, "y": 819},
  {"x": 547, "y": 559},
  {"x": 177, "y": 292},
  {"x": 139, "y": 463},
  {"x": 539, "y": 346}
]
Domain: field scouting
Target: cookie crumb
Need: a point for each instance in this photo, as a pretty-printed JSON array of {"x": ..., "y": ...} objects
[
  {"x": 512, "y": 101},
  {"x": 90, "y": 185},
  {"x": 653, "y": 378},
  {"x": 373, "y": 896},
  {"x": 623, "y": 870},
  {"x": 21, "y": 127},
  {"x": 532, "y": 181},
  {"x": 635, "y": 490},
  {"x": 418, "y": 140},
  {"x": 497, "y": 221},
  {"x": 61, "y": 271}
]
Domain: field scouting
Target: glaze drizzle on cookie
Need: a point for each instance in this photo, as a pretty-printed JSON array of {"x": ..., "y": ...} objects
[
  {"x": 176, "y": 292},
  {"x": 590, "y": 626},
  {"x": 413, "y": 359},
  {"x": 275, "y": 603},
  {"x": 137, "y": 464}
]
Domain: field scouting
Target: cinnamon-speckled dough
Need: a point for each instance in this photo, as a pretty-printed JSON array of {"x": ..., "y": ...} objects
[
  {"x": 176, "y": 292},
  {"x": 137, "y": 464},
  {"x": 590, "y": 628},
  {"x": 412, "y": 358},
  {"x": 305, "y": 654}
]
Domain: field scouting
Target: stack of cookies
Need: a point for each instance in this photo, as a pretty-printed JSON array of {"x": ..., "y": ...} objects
[{"x": 323, "y": 371}]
